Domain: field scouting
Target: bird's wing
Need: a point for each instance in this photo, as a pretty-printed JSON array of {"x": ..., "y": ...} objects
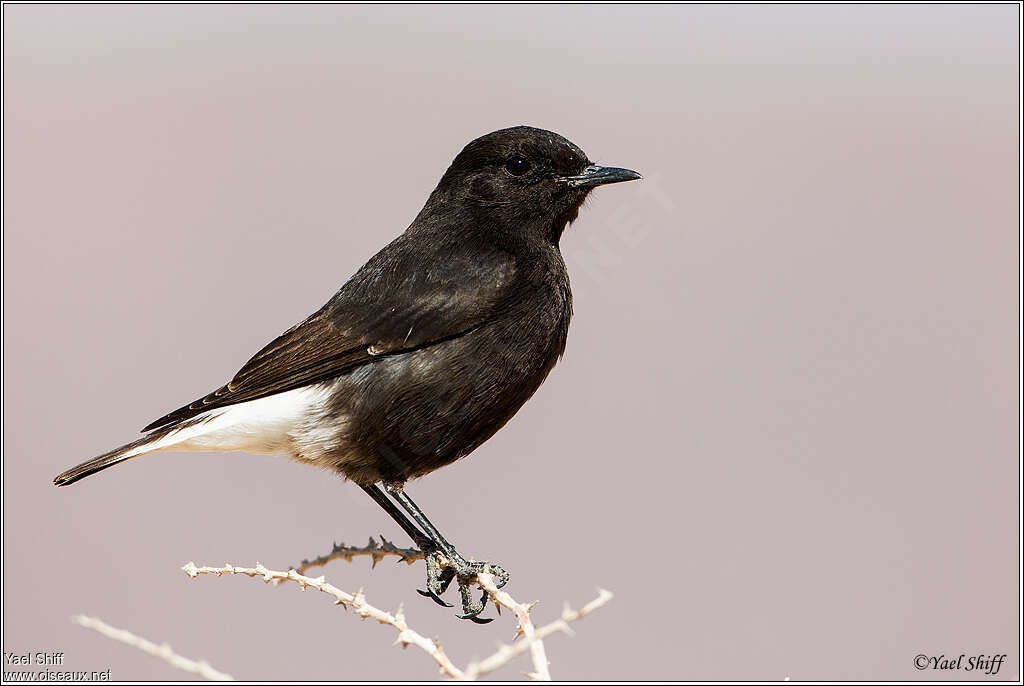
[{"x": 400, "y": 300}]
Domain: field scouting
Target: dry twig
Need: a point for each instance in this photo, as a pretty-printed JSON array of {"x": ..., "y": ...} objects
[
  {"x": 357, "y": 602},
  {"x": 162, "y": 651},
  {"x": 533, "y": 637},
  {"x": 505, "y": 652},
  {"x": 373, "y": 550}
]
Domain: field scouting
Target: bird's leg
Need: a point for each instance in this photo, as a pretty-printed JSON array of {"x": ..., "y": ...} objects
[
  {"x": 438, "y": 577},
  {"x": 464, "y": 571}
]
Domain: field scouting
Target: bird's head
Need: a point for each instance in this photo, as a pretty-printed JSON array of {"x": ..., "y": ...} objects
[{"x": 522, "y": 180}]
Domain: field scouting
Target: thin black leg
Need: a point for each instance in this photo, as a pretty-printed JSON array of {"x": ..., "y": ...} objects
[
  {"x": 418, "y": 537},
  {"x": 437, "y": 578},
  {"x": 463, "y": 570},
  {"x": 420, "y": 518}
]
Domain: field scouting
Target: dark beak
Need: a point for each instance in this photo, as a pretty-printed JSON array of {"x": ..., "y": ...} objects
[{"x": 596, "y": 175}]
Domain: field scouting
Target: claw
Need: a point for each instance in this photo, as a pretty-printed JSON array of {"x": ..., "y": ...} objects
[
  {"x": 474, "y": 615},
  {"x": 433, "y": 596},
  {"x": 470, "y": 608},
  {"x": 476, "y": 619},
  {"x": 442, "y": 570}
]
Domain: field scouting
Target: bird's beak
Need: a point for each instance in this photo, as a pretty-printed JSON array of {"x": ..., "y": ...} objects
[{"x": 596, "y": 175}]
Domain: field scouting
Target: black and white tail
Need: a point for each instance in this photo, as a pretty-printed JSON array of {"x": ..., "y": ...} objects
[
  {"x": 101, "y": 462},
  {"x": 266, "y": 425}
]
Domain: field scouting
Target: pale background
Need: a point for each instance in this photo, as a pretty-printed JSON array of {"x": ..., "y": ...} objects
[{"x": 784, "y": 432}]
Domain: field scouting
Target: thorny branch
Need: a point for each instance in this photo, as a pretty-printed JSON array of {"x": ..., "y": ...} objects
[
  {"x": 533, "y": 637},
  {"x": 162, "y": 651},
  {"x": 406, "y": 636},
  {"x": 373, "y": 550},
  {"x": 506, "y": 652}
]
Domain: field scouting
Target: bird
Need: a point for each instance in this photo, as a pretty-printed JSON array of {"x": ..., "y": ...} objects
[{"x": 424, "y": 353}]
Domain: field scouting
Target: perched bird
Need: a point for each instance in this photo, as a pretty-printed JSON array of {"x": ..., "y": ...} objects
[{"x": 430, "y": 348}]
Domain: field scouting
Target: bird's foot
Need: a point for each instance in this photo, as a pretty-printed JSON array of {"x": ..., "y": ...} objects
[{"x": 441, "y": 571}]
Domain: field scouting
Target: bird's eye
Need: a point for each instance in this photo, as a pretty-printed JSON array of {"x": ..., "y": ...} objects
[{"x": 517, "y": 165}]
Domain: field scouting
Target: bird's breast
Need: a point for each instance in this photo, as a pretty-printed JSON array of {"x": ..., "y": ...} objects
[{"x": 412, "y": 412}]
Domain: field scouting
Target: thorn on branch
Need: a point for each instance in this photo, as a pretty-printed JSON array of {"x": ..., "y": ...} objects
[
  {"x": 375, "y": 551},
  {"x": 533, "y": 636}
]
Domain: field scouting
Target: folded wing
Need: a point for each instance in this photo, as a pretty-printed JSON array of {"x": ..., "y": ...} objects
[{"x": 401, "y": 300}]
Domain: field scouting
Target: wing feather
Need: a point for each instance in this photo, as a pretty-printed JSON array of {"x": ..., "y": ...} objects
[{"x": 394, "y": 303}]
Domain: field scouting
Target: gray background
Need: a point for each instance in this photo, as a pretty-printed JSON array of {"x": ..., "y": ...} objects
[{"x": 784, "y": 431}]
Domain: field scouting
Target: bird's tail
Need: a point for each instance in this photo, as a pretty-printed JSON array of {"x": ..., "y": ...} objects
[
  {"x": 160, "y": 439},
  {"x": 260, "y": 426}
]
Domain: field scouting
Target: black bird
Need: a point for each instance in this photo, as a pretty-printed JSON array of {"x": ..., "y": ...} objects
[{"x": 425, "y": 352}]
